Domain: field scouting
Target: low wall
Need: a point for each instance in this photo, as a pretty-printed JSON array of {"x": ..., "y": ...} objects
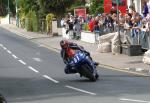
[
  {"x": 5, "y": 20},
  {"x": 55, "y": 28},
  {"x": 86, "y": 36},
  {"x": 64, "y": 35}
]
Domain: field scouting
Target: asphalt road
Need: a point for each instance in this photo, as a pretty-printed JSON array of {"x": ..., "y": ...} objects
[{"x": 30, "y": 73}]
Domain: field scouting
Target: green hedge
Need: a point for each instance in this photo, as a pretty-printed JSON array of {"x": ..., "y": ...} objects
[
  {"x": 28, "y": 21},
  {"x": 96, "y": 7},
  {"x": 32, "y": 22},
  {"x": 49, "y": 19},
  {"x": 22, "y": 21},
  {"x": 35, "y": 22}
]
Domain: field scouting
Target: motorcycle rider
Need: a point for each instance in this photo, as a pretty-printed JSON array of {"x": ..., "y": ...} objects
[{"x": 68, "y": 51}]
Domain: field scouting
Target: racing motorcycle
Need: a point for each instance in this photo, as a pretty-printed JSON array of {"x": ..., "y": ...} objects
[{"x": 84, "y": 66}]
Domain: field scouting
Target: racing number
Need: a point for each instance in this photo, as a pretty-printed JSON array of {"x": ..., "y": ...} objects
[{"x": 76, "y": 59}]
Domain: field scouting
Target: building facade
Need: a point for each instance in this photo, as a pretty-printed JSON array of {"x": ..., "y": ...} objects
[{"x": 138, "y": 4}]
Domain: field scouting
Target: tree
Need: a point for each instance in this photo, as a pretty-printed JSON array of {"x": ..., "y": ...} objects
[
  {"x": 27, "y": 5},
  {"x": 42, "y": 8},
  {"x": 58, "y": 7},
  {"x": 4, "y": 7},
  {"x": 96, "y": 6}
]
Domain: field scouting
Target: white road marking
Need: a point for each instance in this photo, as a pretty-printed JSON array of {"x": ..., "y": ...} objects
[
  {"x": 133, "y": 100},
  {"x": 1, "y": 45},
  {"x": 80, "y": 90},
  {"x": 31, "y": 68},
  {"x": 37, "y": 59},
  {"x": 5, "y": 48},
  {"x": 9, "y": 51},
  {"x": 14, "y": 56},
  {"x": 22, "y": 62},
  {"x": 47, "y": 77}
]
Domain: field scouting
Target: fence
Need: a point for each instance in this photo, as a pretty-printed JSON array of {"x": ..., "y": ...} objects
[
  {"x": 145, "y": 40},
  {"x": 42, "y": 25},
  {"x": 139, "y": 38}
]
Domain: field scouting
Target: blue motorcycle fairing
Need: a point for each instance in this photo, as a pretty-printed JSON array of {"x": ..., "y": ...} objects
[
  {"x": 79, "y": 59},
  {"x": 79, "y": 56}
]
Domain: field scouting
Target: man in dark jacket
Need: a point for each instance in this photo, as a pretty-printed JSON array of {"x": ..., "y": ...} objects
[{"x": 145, "y": 9}]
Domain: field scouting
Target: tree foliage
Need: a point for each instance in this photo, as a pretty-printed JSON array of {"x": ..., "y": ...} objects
[
  {"x": 58, "y": 7},
  {"x": 96, "y": 6},
  {"x": 43, "y": 7},
  {"x": 77, "y": 4},
  {"x": 4, "y": 7},
  {"x": 27, "y": 5}
]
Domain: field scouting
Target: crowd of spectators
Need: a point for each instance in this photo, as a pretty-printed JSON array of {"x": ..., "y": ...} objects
[{"x": 131, "y": 23}]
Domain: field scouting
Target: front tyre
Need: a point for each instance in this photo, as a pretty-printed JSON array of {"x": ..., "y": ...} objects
[{"x": 85, "y": 71}]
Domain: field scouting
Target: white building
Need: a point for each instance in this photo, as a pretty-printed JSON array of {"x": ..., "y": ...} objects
[{"x": 137, "y": 4}]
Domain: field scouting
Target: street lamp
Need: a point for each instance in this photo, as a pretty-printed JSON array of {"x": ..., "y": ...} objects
[
  {"x": 117, "y": 1},
  {"x": 8, "y": 12},
  {"x": 17, "y": 19}
]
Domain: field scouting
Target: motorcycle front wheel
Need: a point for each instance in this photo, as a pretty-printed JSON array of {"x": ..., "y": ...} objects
[{"x": 86, "y": 72}]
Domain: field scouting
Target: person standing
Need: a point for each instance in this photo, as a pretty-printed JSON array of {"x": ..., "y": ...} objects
[
  {"x": 148, "y": 4},
  {"x": 145, "y": 9}
]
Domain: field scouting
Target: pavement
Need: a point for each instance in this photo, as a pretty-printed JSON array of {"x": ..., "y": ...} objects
[{"x": 121, "y": 62}]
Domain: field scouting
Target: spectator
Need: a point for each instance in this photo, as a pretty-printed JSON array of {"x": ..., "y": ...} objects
[
  {"x": 77, "y": 28},
  {"x": 127, "y": 11},
  {"x": 109, "y": 26},
  {"x": 145, "y": 9},
  {"x": 62, "y": 22},
  {"x": 148, "y": 5},
  {"x": 113, "y": 10},
  {"x": 88, "y": 18},
  {"x": 131, "y": 9},
  {"x": 148, "y": 23},
  {"x": 128, "y": 22},
  {"x": 91, "y": 24},
  {"x": 70, "y": 22},
  {"x": 137, "y": 25},
  {"x": 96, "y": 24}
]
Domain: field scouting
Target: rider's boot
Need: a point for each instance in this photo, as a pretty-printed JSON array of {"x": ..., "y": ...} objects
[
  {"x": 96, "y": 63},
  {"x": 96, "y": 76}
]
